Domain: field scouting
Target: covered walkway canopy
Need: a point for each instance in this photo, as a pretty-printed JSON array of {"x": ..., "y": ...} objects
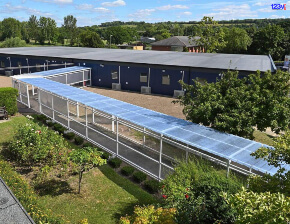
[{"x": 164, "y": 138}]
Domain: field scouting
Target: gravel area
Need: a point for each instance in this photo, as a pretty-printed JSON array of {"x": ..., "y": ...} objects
[{"x": 5, "y": 81}]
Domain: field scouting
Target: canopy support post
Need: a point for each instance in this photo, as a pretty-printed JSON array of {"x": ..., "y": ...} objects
[
  {"x": 117, "y": 135},
  {"x": 228, "y": 167},
  {"x": 160, "y": 157}
]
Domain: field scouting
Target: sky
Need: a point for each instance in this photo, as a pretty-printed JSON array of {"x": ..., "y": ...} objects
[{"x": 95, "y": 12}]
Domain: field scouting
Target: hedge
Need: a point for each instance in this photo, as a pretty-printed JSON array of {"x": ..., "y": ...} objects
[
  {"x": 115, "y": 162},
  {"x": 139, "y": 177},
  {"x": 8, "y": 98},
  {"x": 127, "y": 170},
  {"x": 26, "y": 195},
  {"x": 153, "y": 186}
]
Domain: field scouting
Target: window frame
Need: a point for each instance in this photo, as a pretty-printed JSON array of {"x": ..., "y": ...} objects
[
  {"x": 166, "y": 82},
  {"x": 143, "y": 75},
  {"x": 114, "y": 74},
  {"x": 2, "y": 64}
]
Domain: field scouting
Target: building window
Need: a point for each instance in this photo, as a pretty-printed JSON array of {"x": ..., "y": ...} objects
[
  {"x": 165, "y": 80},
  {"x": 114, "y": 74},
  {"x": 2, "y": 64},
  {"x": 143, "y": 77},
  {"x": 38, "y": 67}
]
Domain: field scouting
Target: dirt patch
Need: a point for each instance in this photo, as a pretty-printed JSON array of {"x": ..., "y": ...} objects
[{"x": 5, "y": 81}]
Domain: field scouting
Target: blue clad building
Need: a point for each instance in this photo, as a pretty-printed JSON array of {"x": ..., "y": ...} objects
[{"x": 156, "y": 72}]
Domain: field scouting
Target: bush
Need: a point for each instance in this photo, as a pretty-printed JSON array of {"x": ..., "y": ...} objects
[
  {"x": 88, "y": 144},
  {"x": 195, "y": 190},
  {"x": 151, "y": 215},
  {"x": 42, "y": 117},
  {"x": 139, "y": 177},
  {"x": 49, "y": 123},
  {"x": 153, "y": 186},
  {"x": 79, "y": 140},
  {"x": 8, "y": 98},
  {"x": 13, "y": 42},
  {"x": 37, "y": 144},
  {"x": 127, "y": 170},
  {"x": 115, "y": 162},
  {"x": 105, "y": 155},
  {"x": 260, "y": 207},
  {"x": 26, "y": 196},
  {"x": 69, "y": 135},
  {"x": 59, "y": 128}
]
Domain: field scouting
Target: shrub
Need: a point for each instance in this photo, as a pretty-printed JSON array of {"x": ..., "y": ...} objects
[
  {"x": 105, "y": 155},
  {"x": 41, "y": 117},
  {"x": 195, "y": 190},
  {"x": 69, "y": 135},
  {"x": 13, "y": 42},
  {"x": 59, "y": 128},
  {"x": 115, "y": 162},
  {"x": 127, "y": 170},
  {"x": 37, "y": 144},
  {"x": 49, "y": 123},
  {"x": 153, "y": 186},
  {"x": 26, "y": 196},
  {"x": 151, "y": 215},
  {"x": 88, "y": 144},
  {"x": 79, "y": 140},
  {"x": 260, "y": 207},
  {"x": 139, "y": 177},
  {"x": 8, "y": 98}
]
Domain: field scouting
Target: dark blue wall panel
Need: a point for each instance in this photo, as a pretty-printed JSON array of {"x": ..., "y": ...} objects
[
  {"x": 209, "y": 76},
  {"x": 130, "y": 78}
]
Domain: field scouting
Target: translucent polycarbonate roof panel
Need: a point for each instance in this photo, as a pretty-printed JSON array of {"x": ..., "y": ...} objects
[{"x": 224, "y": 145}]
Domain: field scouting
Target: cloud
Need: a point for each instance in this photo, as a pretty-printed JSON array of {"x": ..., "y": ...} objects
[
  {"x": 277, "y": 16},
  {"x": 8, "y": 8},
  {"x": 56, "y": 1},
  {"x": 90, "y": 8},
  {"x": 186, "y": 13},
  {"x": 233, "y": 12},
  {"x": 114, "y": 4},
  {"x": 85, "y": 6},
  {"x": 170, "y": 7},
  {"x": 142, "y": 14},
  {"x": 265, "y": 10}
]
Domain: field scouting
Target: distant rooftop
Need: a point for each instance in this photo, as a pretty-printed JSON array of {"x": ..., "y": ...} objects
[
  {"x": 241, "y": 62},
  {"x": 183, "y": 41},
  {"x": 11, "y": 211}
]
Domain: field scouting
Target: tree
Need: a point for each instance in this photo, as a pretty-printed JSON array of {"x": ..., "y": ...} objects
[
  {"x": 91, "y": 39},
  {"x": 119, "y": 35},
  {"x": 70, "y": 26},
  {"x": 86, "y": 159},
  {"x": 32, "y": 27},
  {"x": 10, "y": 28},
  {"x": 278, "y": 156},
  {"x": 260, "y": 208},
  {"x": 212, "y": 38},
  {"x": 270, "y": 39},
  {"x": 51, "y": 30},
  {"x": 235, "y": 105},
  {"x": 237, "y": 40}
]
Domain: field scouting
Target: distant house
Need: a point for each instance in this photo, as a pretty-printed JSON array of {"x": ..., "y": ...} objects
[
  {"x": 147, "y": 40},
  {"x": 178, "y": 43}
]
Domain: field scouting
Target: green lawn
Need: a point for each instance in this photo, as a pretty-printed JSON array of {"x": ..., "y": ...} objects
[
  {"x": 263, "y": 138},
  {"x": 105, "y": 194}
]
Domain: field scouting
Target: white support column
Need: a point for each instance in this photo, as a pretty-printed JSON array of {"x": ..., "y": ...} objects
[
  {"x": 52, "y": 107},
  {"x": 182, "y": 79},
  {"x": 39, "y": 102},
  {"x": 20, "y": 92},
  {"x": 144, "y": 138},
  {"x": 228, "y": 167},
  {"x": 27, "y": 92},
  {"x": 78, "y": 111},
  {"x": 160, "y": 157},
  {"x": 65, "y": 78},
  {"x": 83, "y": 78},
  {"x": 149, "y": 73},
  {"x": 86, "y": 123},
  {"x": 113, "y": 123},
  {"x": 90, "y": 76},
  {"x": 93, "y": 116},
  {"x": 68, "y": 122},
  {"x": 119, "y": 74},
  {"x": 117, "y": 135},
  {"x": 33, "y": 93}
]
